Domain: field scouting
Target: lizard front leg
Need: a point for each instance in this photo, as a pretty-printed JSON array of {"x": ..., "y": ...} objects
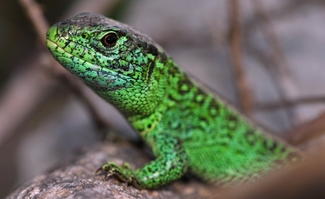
[{"x": 170, "y": 164}]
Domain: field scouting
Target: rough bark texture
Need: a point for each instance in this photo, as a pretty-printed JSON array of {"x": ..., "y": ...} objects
[{"x": 75, "y": 178}]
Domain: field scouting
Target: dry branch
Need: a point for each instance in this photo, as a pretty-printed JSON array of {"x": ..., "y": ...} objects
[
  {"x": 36, "y": 16},
  {"x": 237, "y": 57},
  {"x": 306, "y": 132},
  {"x": 288, "y": 103},
  {"x": 284, "y": 80},
  {"x": 76, "y": 178}
]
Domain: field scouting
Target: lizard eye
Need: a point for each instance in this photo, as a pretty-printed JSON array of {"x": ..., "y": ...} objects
[{"x": 109, "y": 40}]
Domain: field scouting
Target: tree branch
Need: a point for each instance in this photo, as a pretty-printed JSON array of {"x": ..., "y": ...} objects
[{"x": 235, "y": 43}]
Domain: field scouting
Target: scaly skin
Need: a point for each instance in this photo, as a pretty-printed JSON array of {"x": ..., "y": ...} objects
[{"x": 187, "y": 127}]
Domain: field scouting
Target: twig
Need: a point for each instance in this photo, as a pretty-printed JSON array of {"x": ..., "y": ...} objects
[
  {"x": 289, "y": 103},
  {"x": 287, "y": 88},
  {"x": 302, "y": 133},
  {"x": 22, "y": 97},
  {"x": 278, "y": 13},
  {"x": 306, "y": 132},
  {"x": 36, "y": 16},
  {"x": 31, "y": 87},
  {"x": 235, "y": 42}
]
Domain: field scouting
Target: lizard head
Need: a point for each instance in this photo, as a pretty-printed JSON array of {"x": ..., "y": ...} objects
[{"x": 122, "y": 65}]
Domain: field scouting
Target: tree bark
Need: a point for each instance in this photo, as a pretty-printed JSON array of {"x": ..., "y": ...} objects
[{"x": 75, "y": 178}]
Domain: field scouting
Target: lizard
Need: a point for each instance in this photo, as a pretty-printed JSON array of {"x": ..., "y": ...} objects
[{"x": 188, "y": 127}]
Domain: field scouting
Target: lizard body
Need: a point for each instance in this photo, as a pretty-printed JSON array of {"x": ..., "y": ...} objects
[{"x": 187, "y": 127}]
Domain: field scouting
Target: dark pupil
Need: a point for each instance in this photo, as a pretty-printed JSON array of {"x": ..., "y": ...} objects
[{"x": 110, "y": 40}]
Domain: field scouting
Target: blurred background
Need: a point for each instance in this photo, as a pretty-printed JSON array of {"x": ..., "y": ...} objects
[{"x": 264, "y": 56}]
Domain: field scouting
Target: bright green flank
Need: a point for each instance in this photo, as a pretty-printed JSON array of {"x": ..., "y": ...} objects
[{"x": 188, "y": 128}]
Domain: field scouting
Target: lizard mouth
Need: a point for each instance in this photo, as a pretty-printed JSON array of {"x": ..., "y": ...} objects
[
  {"x": 98, "y": 77},
  {"x": 60, "y": 52}
]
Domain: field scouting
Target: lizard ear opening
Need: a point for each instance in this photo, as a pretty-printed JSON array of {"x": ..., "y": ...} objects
[{"x": 110, "y": 39}]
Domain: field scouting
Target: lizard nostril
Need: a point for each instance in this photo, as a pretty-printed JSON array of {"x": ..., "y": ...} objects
[{"x": 64, "y": 34}]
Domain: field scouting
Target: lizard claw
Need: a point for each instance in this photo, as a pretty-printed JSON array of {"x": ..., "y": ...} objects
[
  {"x": 128, "y": 181},
  {"x": 122, "y": 173},
  {"x": 108, "y": 175},
  {"x": 99, "y": 170}
]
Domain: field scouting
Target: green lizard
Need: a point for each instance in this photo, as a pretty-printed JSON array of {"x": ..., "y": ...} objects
[{"x": 188, "y": 127}]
